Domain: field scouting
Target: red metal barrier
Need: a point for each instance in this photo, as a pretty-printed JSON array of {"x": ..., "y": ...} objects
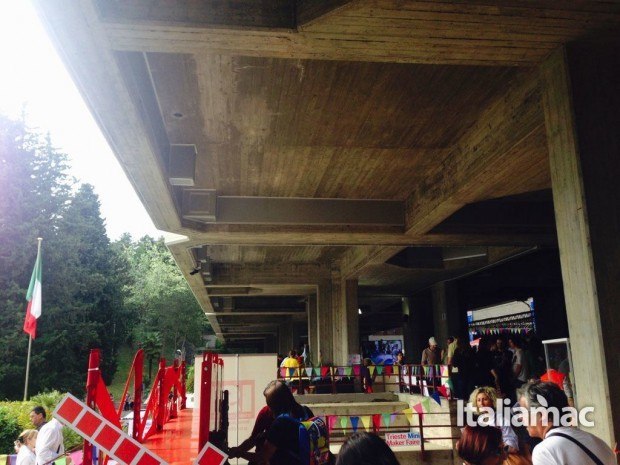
[
  {"x": 97, "y": 397},
  {"x": 210, "y": 396}
]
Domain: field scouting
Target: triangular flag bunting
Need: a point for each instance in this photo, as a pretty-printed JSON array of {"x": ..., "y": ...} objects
[
  {"x": 366, "y": 422},
  {"x": 396, "y": 369},
  {"x": 317, "y": 371},
  {"x": 426, "y": 404},
  {"x": 376, "y": 421},
  {"x": 356, "y": 370},
  {"x": 436, "y": 397},
  {"x": 386, "y": 419},
  {"x": 443, "y": 390},
  {"x": 354, "y": 422},
  {"x": 418, "y": 409},
  {"x": 283, "y": 372},
  {"x": 379, "y": 369},
  {"x": 324, "y": 371},
  {"x": 291, "y": 372},
  {"x": 348, "y": 371},
  {"x": 388, "y": 370},
  {"x": 344, "y": 421},
  {"x": 392, "y": 418},
  {"x": 371, "y": 368},
  {"x": 331, "y": 421},
  {"x": 407, "y": 412}
]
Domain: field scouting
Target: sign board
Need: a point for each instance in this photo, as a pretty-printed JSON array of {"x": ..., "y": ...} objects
[
  {"x": 403, "y": 439},
  {"x": 89, "y": 424},
  {"x": 210, "y": 455}
]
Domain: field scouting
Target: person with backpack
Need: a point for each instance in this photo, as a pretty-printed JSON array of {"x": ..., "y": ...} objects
[
  {"x": 561, "y": 445},
  {"x": 295, "y": 436}
]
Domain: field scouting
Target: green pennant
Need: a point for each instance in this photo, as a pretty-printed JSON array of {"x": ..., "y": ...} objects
[
  {"x": 343, "y": 422},
  {"x": 426, "y": 404},
  {"x": 386, "y": 419},
  {"x": 348, "y": 371},
  {"x": 379, "y": 369}
]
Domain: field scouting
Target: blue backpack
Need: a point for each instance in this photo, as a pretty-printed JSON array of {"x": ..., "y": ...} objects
[{"x": 313, "y": 440}]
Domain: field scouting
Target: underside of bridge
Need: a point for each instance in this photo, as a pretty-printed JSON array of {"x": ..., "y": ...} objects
[{"x": 323, "y": 157}]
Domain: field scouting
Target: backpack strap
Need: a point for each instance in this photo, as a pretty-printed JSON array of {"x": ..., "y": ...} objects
[{"x": 588, "y": 452}]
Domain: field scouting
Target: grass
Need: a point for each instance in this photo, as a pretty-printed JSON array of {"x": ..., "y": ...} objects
[{"x": 125, "y": 359}]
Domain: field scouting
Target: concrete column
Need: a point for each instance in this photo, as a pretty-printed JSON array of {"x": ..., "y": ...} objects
[
  {"x": 325, "y": 317},
  {"x": 285, "y": 336},
  {"x": 445, "y": 312},
  {"x": 409, "y": 331},
  {"x": 581, "y": 98},
  {"x": 313, "y": 335},
  {"x": 346, "y": 330}
]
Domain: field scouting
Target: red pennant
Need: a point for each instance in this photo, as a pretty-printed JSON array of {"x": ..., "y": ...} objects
[
  {"x": 324, "y": 371},
  {"x": 388, "y": 370},
  {"x": 443, "y": 390},
  {"x": 376, "y": 421}
]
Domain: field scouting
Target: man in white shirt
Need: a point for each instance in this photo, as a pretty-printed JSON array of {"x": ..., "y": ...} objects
[
  {"x": 561, "y": 445},
  {"x": 50, "y": 442}
]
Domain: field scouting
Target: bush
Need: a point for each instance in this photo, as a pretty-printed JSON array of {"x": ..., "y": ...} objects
[
  {"x": 189, "y": 381},
  {"x": 18, "y": 413},
  {"x": 9, "y": 430}
]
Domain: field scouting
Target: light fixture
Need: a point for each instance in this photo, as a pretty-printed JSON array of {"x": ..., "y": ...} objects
[{"x": 359, "y": 311}]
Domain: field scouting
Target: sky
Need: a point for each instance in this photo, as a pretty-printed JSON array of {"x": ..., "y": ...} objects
[{"x": 33, "y": 77}]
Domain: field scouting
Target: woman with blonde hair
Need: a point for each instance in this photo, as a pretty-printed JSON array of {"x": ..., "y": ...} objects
[
  {"x": 484, "y": 398},
  {"x": 25, "y": 447}
]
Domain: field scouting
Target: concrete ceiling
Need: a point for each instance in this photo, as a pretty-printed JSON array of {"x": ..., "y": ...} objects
[{"x": 289, "y": 138}]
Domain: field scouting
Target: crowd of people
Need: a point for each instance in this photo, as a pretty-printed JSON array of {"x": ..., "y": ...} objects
[{"x": 504, "y": 363}]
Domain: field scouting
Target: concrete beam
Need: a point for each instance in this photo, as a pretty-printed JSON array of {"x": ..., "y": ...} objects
[
  {"x": 487, "y": 155},
  {"x": 205, "y": 205}
]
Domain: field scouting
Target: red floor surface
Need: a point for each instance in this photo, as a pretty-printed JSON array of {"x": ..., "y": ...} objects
[{"x": 178, "y": 442}]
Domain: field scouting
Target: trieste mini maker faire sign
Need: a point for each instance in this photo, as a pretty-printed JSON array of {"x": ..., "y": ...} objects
[{"x": 403, "y": 439}]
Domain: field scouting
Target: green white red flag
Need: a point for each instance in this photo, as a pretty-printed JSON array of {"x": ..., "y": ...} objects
[{"x": 33, "y": 310}]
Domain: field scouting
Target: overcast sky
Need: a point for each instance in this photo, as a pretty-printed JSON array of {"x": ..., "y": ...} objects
[{"x": 34, "y": 76}]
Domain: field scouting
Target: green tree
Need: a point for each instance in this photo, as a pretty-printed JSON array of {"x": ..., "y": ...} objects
[
  {"x": 82, "y": 296},
  {"x": 160, "y": 299}
]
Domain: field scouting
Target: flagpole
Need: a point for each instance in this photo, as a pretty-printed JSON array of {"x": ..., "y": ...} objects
[
  {"x": 39, "y": 239},
  {"x": 27, "y": 368}
]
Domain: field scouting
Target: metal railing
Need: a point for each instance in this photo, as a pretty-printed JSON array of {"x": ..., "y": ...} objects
[{"x": 411, "y": 378}]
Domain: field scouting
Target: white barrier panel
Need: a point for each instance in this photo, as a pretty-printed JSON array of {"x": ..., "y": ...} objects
[{"x": 108, "y": 437}]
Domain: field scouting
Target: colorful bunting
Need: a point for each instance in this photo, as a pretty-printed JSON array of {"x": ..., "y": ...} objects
[
  {"x": 292, "y": 372},
  {"x": 388, "y": 370},
  {"x": 366, "y": 422},
  {"x": 396, "y": 369},
  {"x": 376, "y": 421},
  {"x": 348, "y": 371},
  {"x": 354, "y": 423},
  {"x": 418, "y": 409},
  {"x": 386, "y": 419},
  {"x": 324, "y": 371},
  {"x": 443, "y": 390},
  {"x": 426, "y": 404},
  {"x": 436, "y": 397},
  {"x": 344, "y": 422},
  {"x": 356, "y": 370},
  {"x": 392, "y": 418},
  {"x": 371, "y": 368},
  {"x": 379, "y": 369},
  {"x": 331, "y": 421},
  {"x": 407, "y": 412},
  {"x": 309, "y": 372}
]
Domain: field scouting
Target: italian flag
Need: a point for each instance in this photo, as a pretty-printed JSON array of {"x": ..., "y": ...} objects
[{"x": 33, "y": 311}]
